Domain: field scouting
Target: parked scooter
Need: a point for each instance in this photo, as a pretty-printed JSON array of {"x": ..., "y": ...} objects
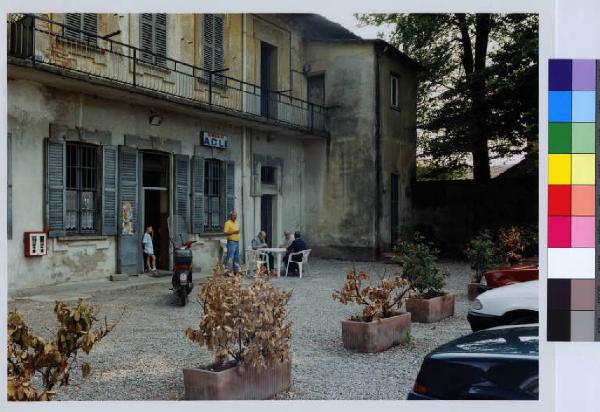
[{"x": 182, "y": 269}]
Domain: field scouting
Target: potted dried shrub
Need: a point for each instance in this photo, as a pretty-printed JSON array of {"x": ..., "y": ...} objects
[
  {"x": 37, "y": 366},
  {"x": 483, "y": 255},
  {"x": 418, "y": 260},
  {"x": 381, "y": 324},
  {"x": 244, "y": 325},
  {"x": 512, "y": 244}
]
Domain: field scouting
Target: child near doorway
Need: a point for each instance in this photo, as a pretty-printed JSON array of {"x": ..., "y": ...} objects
[{"x": 149, "y": 249}]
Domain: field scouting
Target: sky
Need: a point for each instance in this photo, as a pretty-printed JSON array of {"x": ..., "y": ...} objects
[{"x": 349, "y": 21}]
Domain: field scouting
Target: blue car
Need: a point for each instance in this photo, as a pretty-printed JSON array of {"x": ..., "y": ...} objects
[{"x": 493, "y": 364}]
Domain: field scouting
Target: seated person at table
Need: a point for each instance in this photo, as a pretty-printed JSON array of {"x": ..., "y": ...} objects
[
  {"x": 298, "y": 245},
  {"x": 287, "y": 239},
  {"x": 259, "y": 242}
]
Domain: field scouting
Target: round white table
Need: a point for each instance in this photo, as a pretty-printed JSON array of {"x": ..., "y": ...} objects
[{"x": 278, "y": 253}]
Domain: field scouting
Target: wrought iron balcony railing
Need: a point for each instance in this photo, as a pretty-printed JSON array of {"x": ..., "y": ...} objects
[{"x": 49, "y": 43}]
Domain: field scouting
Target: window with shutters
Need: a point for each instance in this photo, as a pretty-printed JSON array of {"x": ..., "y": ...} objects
[
  {"x": 212, "y": 45},
  {"x": 81, "y": 27},
  {"x": 81, "y": 188},
  {"x": 214, "y": 188},
  {"x": 153, "y": 38}
]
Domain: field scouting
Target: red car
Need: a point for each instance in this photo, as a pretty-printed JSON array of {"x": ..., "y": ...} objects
[{"x": 511, "y": 274}]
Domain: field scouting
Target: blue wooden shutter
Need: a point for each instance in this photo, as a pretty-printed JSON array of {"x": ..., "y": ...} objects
[
  {"x": 197, "y": 194},
  {"x": 89, "y": 23},
  {"x": 182, "y": 194},
  {"x": 160, "y": 38},
  {"x": 208, "y": 41},
  {"x": 73, "y": 22},
  {"x": 129, "y": 239},
  {"x": 55, "y": 187},
  {"x": 146, "y": 37},
  {"x": 109, "y": 190},
  {"x": 229, "y": 169},
  {"x": 9, "y": 186}
]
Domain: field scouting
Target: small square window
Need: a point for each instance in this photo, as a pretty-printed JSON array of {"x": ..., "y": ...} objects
[
  {"x": 394, "y": 95},
  {"x": 267, "y": 175}
]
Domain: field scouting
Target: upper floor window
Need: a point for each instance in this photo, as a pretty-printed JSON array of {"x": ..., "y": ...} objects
[
  {"x": 214, "y": 186},
  {"x": 394, "y": 93},
  {"x": 212, "y": 42},
  {"x": 82, "y": 188},
  {"x": 153, "y": 38},
  {"x": 78, "y": 25},
  {"x": 267, "y": 175}
]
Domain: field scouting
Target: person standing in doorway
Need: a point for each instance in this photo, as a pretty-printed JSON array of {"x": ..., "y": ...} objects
[
  {"x": 232, "y": 231},
  {"x": 149, "y": 249}
]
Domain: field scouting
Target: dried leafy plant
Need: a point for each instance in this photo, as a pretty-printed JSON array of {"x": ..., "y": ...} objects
[
  {"x": 31, "y": 358},
  {"x": 243, "y": 323},
  {"x": 512, "y": 244},
  {"x": 382, "y": 299}
]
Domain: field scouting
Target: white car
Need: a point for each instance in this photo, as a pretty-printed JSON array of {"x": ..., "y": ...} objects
[{"x": 513, "y": 304}]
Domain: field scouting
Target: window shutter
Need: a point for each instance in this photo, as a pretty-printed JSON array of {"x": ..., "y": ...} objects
[
  {"x": 160, "y": 38},
  {"x": 129, "y": 243},
  {"x": 146, "y": 28},
  {"x": 218, "y": 59},
  {"x": 55, "y": 187},
  {"x": 9, "y": 186},
  {"x": 73, "y": 22},
  {"x": 207, "y": 42},
  {"x": 182, "y": 192},
  {"x": 90, "y": 24},
  {"x": 109, "y": 190},
  {"x": 197, "y": 194},
  {"x": 229, "y": 168}
]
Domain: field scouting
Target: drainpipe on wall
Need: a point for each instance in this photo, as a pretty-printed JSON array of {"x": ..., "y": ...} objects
[
  {"x": 378, "y": 173},
  {"x": 244, "y": 133}
]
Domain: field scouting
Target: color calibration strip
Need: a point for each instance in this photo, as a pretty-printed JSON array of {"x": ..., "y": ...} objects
[{"x": 572, "y": 200}]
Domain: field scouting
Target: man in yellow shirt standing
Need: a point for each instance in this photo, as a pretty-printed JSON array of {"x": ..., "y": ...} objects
[{"x": 232, "y": 231}]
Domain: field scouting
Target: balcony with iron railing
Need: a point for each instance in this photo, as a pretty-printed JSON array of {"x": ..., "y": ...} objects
[{"x": 48, "y": 44}]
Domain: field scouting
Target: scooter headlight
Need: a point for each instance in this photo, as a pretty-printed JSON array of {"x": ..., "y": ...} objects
[
  {"x": 476, "y": 305},
  {"x": 183, "y": 277}
]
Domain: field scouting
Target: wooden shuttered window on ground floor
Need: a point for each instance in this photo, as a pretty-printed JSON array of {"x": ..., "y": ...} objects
[{"x": 80, "y": 190}]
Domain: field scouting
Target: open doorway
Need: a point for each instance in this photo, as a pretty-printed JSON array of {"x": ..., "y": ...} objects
[
  {"x": 266, "y": 217},
  {"x": 156, "y": 203},
  {"x": 268, "y": 80}
]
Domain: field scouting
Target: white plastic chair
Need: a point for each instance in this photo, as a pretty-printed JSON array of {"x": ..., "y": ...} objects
[
  {"x": 256, "y": 259},
  {"x": 304, "y": 261}
]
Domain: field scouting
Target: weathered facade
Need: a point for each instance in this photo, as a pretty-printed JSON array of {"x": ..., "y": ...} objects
[{"x": 116, "y": 121}]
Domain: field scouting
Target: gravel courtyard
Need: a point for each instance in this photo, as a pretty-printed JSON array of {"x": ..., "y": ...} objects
[{"x": 143, "y": 357}]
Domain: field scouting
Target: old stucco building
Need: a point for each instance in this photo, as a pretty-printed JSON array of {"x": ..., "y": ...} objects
[{"x": 119, "y": 120}]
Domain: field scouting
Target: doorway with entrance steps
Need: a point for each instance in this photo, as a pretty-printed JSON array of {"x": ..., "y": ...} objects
[{"x": 155, "y": 202}]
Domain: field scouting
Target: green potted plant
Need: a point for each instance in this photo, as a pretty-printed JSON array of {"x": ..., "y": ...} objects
[
  {"x": 418, "y": 260},
  {"x": 244, "y": 325},
  {"x": 483, "y": 254},
  {"x": 512, "y": 244},
  {"x": 380, "y": 324}
]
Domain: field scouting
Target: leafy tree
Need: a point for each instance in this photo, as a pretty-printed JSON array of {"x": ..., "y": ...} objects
[{"x": 478, "y": 89}]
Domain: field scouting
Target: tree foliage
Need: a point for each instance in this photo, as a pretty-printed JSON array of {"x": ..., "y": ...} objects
[
  {"x": 478, "y": 90},
  {"x": 243, "y": 324},
  {"x": 31, "y": 358},
  {"x": 382, "y": 299},
  {"x": 483, "y": 254}
]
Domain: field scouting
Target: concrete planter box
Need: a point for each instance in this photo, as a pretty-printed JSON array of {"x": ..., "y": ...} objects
[
  {"x": 375, "y": 336},
  {"x": 230, "y": 384},
  {"x": 473, "y": 290},
  {"x": 430, "y": 310}
]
